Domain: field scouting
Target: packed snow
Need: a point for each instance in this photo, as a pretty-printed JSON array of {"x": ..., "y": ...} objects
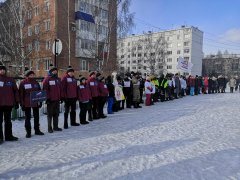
[{"x": 189, "y": 138}]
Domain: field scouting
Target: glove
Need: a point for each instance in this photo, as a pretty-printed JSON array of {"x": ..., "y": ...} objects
[
  {"x": 40, "y": 105},
  {"x": 16, "y": 106},
  {"x": 23, "y": 108},
  {"x": 48, "y": 101}
]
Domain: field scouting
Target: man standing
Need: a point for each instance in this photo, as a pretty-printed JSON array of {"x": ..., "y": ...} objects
[
  {"x": 27, "y": 86},
  {"x": 93, "y": 85},
  {"x": 69, "y": 93},
  {"x": 9, "y": 98},
  {"x": 52, "y": 85}
]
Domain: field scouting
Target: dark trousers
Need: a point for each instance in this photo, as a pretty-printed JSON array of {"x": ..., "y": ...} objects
[
  {"x": 95, "y": 103},
  {"x": 141, "y": 95},
  {"x": 128, "y": 98},
  {"x": 28, "y": 119},
  {"x": 89, "y": 109},
  {"x": 102, "y": 101},
  {"x": 52, "y": 114},
  {"x": 231, "y": 89},
  {"x": 83, "y": 111},
  {"x": 5, "y": 115},
  {"x": 70, "y": 103}
]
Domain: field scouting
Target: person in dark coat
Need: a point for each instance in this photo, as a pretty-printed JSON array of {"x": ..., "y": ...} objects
[
  {"x": 69, "y": 95},
  {"x": 26, "y": 87},
  {"x": 103, "y": 94},
  {"x": 111, "y": 94},
  {"x": 9, "y": 98},
  {"x": 127, "y": 90},
  {"x": 210, "y": 85},
  {"x": 93, "y": 85},
  {"x": 52, "y": 85},
  {"x": 84, "y": 97}
]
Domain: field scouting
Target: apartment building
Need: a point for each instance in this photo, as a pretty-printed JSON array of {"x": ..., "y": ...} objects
[
  {"x": 86, "y": 28},
  {"x": 158, "y": 52}
]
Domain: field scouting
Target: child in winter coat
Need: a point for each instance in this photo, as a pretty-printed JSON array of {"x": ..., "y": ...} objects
[{"x": 84, "y": 97}]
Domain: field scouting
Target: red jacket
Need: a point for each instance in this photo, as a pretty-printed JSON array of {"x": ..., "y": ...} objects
[
  {"x": 103, "y": 90},
  {"x": 8, "y": 91},
  {"x": 27, "y": 86},
  {"x": 52, "y": 85},
  {"x": 93, "y": 84},
  {"x": 84, "y": 93},
  {"x": 69, "y": 87}
]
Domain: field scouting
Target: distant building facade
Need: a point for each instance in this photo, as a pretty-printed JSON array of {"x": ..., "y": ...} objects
[
  {"x": 186, "y": 42},
  {"x": 228, "y": 65}
]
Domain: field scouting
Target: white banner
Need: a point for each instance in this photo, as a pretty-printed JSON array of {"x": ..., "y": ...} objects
[{"x": 184, "y": 65}]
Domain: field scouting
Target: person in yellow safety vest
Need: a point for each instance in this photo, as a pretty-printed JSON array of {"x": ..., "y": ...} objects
[
  {"x": 155, "y": 82},
  {"x": 163, "y": 89}
]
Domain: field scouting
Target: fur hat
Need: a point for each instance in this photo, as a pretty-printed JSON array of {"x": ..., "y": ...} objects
[
  {"x": 2, "y": 67},
  {"x": 70, "y": 69},
  {"x": 52, "y": 68},
  {"x": 28, "y": 72},
  {"x": 82, "y": 78}
]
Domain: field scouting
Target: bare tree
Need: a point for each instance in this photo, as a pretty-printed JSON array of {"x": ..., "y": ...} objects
[{"x": 151, "y": 53}]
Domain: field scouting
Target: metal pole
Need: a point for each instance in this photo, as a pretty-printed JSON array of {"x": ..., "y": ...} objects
[{"x": 55, "y": 53}]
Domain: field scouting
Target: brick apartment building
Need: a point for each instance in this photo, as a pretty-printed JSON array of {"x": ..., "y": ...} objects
[{"x": 86, "y": 28}]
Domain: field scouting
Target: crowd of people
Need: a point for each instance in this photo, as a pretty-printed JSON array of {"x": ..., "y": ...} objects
[{"x": 92, "y": 93}]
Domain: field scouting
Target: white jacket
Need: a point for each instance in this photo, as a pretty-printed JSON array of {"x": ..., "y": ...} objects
[{"x": 148, "y": 85}]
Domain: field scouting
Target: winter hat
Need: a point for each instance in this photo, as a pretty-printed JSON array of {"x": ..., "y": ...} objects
[
  {"x": 52, "y": 68},
  {"x": 2, "y": 67},
  {"x": 70, "y": 69},
  {"x": 98, "y": 74},
  {"x": 100, "y": 78},
  {"x": 119, "y": 78},
  {"x": 82, "y": 78},
  {"x": 91, "y": 73},
  {"x": 28, "y": 72}
]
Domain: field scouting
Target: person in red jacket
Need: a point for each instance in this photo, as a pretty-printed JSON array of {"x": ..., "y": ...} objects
[
  {"x": 69, "y": 93},
  {"x": 27, "y": 86},
  {"x": 103, "y": 94},
  {"x": 9, "y": 98},
  {"x": 52, "y": 85},
  {"x": 93, "y": 85},
  {"x": 84, "y": 97}
]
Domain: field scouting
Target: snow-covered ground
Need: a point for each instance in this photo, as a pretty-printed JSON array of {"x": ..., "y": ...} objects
[{"x": 190, "y": 138}]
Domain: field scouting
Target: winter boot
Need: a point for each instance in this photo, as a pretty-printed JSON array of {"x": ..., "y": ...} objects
[
  {"x": 73, "y": 119},
  {"x": 11, "y": 138},
  {"x": 38, "y": 132}
]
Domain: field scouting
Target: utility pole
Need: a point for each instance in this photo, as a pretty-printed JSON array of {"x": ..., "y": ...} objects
[{"x": 69, "y": 37}]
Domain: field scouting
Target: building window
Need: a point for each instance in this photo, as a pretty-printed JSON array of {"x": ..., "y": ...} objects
[
  {"x": 169, "y": 67},
  {"x": 129, "y": 44},
  {"x": 36, "y": 11},
  {"x": 139, "y": 61},
  {"x": 29, "y": 15},
  {"x": 122, "y": 62},
  {"x": 144, "y": 67},
  {"x": 169, "y": 45},
  {"x": 37, "y": 46},
  {"x": 47, "y": 64},
  {"x": 139, "y": 48},
  {"x": 48, "y": 44},
  {"x": 139, "y": 55},
  {"x": 186, "y": 58},
  {"x": 178, "y": 37},
  {"x": 84, "y": 65},
  {"x": 128, "y": 56},
  {"x": 186, "y": 36},
  {"x": 47, "y": 25},
  {"x": 134, "y": 61},
  {"x": 186, "y": 43},
  {"x": 186, "y": 50},
  {"x": 169, "y": 59},
  {"x": 29, "y": 46},
  {"x": 30, "y": 31},
  {"x": 169, "y": 52},
  {"x": 178, "y": 51},
  {"x": 134, "y": 68},
  {"x": 122, "y": 56},
  {"x": 46, "y": 5},
  {"x": 37, "y": 29}
]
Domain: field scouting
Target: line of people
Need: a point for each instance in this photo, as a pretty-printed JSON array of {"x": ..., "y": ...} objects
[{"x": 92, "y": 94}]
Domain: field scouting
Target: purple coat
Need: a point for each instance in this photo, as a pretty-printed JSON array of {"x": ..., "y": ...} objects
[
  {"x": 8, "y": 91},
  {"x": 27, "y": 86}
]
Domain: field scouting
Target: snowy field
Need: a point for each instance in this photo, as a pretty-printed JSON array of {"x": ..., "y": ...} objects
[{"x": 190, "y": 138}]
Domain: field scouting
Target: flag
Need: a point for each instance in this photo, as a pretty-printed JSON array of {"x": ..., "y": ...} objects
[{"x": 184, "y": 65}]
